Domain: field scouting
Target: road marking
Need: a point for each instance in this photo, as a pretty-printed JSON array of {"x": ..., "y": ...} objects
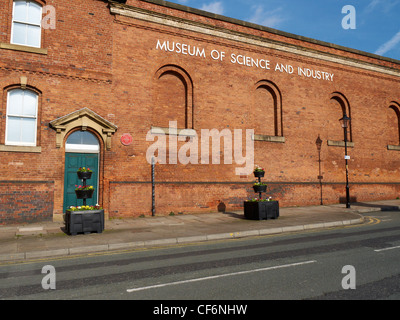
[
  {"x": 220, "y": 276},
  {"x": 386, "y": 249},
  {"x": 373, "y": 220}
]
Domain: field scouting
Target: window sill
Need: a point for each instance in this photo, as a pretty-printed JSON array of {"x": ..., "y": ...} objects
[
  {"x": 17, "y": 47},
  {"x": 333, "y": 143},
  {"x": 4, "y": 148},
  {"x": 394, "y": 148},
  {"x": 261, "y": 137},
  {"x": 174, "y": 131}
]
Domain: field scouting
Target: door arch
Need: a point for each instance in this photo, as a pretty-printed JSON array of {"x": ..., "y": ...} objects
[{"x": 82, "y": 149}]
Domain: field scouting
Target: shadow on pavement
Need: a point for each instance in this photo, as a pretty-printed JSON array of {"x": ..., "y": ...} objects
[{"x": 382, "y": 207}]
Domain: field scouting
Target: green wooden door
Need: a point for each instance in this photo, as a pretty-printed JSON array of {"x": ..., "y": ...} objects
[{"x": 73, "y": 161}]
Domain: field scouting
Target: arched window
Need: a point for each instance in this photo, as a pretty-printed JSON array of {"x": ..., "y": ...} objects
[
  {"x": 26, "y": 23},
  {"x": 339, "y": 107},
  {"x": 21, "y": 122},
  {"x": 82, "y": 141},
  {"x": 267, "y": 112},
  {"x": 393, "y": 126},
  {"x": 173, "y": 98}
]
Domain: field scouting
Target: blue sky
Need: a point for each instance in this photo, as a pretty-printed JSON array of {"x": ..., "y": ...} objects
[{"x": 377, "y": 22}]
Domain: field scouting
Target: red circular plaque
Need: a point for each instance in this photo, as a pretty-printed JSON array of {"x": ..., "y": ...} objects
[{"x": 126, "y": 139}]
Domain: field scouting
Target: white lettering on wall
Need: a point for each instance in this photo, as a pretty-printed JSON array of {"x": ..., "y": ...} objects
[
  {"x": 249, "y": 61},
  {"x": 242, "y": 60},
  {"x": 316, "y": 74},
  {"x": 181, "y": 48}
]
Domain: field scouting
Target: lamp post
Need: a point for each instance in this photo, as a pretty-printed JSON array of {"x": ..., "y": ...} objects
[
  {"x": 153, "y": 187},
  {"x": 318, "y": 142},
  {"x": 345, "y": 124}
]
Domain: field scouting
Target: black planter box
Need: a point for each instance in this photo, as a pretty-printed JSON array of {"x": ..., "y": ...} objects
[
  {"x": 84, "y": 221},
  {"x": 264, "y": 210}
]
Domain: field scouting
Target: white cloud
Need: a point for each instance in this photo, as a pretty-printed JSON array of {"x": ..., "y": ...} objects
[
  {"x": 214, "y": 7},
  {"x": 389, "y": 45},
  {"x": 385, "y": 6},
  {"x": 270, "y": 19},
  {"x": 371, "y": 6}
]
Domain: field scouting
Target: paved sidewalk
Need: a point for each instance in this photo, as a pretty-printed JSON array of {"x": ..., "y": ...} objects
[{"x": 48, "y": 240}]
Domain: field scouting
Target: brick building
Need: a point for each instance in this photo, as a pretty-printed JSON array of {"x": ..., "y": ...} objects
[{"x": 99, "y": 83}]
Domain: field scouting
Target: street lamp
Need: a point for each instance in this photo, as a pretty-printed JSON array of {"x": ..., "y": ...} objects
[
  {"x": 318, "y": 142},
  {"x": 345, "y": 124}
]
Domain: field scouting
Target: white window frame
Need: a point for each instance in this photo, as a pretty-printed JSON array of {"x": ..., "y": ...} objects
[
  {"x": 8, "y": 115},
  {"x": 28, "y": 2}
]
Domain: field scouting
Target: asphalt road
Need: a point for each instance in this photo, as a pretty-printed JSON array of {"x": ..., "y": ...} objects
[{"x": 351, "y": 263}]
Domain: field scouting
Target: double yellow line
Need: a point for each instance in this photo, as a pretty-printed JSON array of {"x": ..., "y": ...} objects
[{"x": 371, "y": 221}]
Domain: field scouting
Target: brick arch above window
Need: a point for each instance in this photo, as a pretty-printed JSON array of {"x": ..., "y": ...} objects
[
  {"x": 24, "y": 85},
  {"x": 343, "y": 101},
  {"x": 395, "y": 106}
]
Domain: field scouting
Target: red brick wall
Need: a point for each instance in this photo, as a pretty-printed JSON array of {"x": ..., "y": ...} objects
[
  {"x": 225, "y": 96},
  {"x": 75, "y": 73},
  {"x": 189, "y": 197},
  {"x": 110, "y": 65},
  {"x": 24, "y": 202}
]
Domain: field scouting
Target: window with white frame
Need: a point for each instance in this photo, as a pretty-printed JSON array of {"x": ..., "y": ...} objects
[
  {"x": 26, "y": 23},
  {"x": 21, "y": 123}
]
